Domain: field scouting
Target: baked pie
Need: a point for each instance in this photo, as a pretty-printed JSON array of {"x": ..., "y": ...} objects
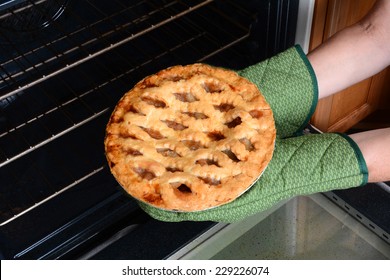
[{"x": 190, "y": 138}]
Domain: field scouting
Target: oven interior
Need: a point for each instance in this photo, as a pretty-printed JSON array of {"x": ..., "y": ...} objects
[{"x": 64, "y": 64}]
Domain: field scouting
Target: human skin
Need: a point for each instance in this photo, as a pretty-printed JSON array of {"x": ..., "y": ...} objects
[{"x": 352, "y": 55}]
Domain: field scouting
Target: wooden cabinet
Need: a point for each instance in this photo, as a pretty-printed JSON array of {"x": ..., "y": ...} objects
[{"x": 341, "y": 111}]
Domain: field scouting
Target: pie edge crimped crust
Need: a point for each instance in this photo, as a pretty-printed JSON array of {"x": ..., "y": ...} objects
[{"x": 131, "y": 159}]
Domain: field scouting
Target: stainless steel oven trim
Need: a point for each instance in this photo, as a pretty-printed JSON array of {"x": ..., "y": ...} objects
[
  {"x": 219, "y": 236},
  {"x": 305, "y": 18}
]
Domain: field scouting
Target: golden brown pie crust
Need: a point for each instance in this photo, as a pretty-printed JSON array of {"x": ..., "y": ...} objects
[{"x": 190, "y": 138}]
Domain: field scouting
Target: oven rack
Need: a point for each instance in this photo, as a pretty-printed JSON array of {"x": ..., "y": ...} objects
[
  {"x": 77, "y": 98},
  {"x": 24, "y": 62},
  {"x": 52, "y": 102}
]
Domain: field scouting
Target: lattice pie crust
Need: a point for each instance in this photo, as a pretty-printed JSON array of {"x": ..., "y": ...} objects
[{"x": 190, "y": 138}]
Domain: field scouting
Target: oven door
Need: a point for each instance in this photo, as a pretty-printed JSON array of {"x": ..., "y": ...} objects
[
  {"x": 64, "y": 64},
  {"x": 303, "y": 228}
]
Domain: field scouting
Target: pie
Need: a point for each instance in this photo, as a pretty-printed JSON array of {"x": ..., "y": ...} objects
[{"x": 190, "y": 138}]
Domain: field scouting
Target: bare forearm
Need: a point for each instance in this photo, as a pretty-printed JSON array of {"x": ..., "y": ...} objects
[
  {"x": 350, "y": 56},
  {"x": 354, "y": 53},
  {"x": 375, "y": 147}
]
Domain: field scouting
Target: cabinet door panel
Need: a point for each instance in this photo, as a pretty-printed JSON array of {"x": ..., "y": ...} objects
[
  {"x": 344, "y": 109},
  {"x": 348, "y": 101}
]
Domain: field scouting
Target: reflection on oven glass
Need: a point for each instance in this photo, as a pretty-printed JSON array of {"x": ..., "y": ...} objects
[{"x": 301, "y": 229}]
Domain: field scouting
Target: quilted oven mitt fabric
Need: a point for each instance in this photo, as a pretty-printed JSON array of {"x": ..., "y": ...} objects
[
  {"x": 301, "y": 165},
  {"x": 289, "y": 85}
]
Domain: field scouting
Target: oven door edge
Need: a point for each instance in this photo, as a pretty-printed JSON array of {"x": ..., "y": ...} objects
[
  {"x": 219, "y": 236},
  {"x": 304, "y": 23}
]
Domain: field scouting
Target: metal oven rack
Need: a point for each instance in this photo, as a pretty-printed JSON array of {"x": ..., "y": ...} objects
[
  {"x": 65, "y": 64},
  {"x": 51, "y": 105}
]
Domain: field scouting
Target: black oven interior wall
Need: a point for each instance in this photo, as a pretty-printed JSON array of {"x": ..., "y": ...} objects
[{"x": 64, "y": 64}]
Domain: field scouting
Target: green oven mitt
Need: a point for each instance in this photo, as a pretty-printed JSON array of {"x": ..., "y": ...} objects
[
  {"x": 289, "y": 85},
  {"x": 300, "y": 165}
]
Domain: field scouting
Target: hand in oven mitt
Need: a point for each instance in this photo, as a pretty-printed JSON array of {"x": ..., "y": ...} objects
[{"x": 301, "y": 165}]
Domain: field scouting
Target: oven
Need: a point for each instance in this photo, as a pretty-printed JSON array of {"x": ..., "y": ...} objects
[
  {"x": 351, "y": 224},
  {"x": 64, "y": 65}
]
